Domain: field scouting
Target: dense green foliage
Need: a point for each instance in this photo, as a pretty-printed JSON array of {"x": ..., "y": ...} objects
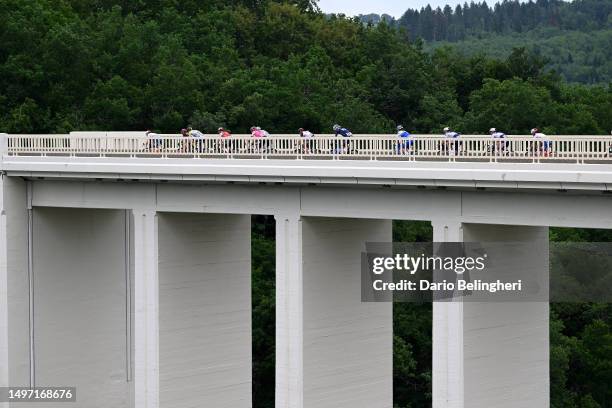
[
  {"x": 574, "y": 37},
  {"x": 263, "y": 314},
  {"x": 509, "y": 16},
  {"x": 580, "y": 341},
  {"x": 412, "y": 337},
  {"x": 79, "y": 65},
  {"x": 577, "y": 56},
  {"x": 127, "y": 65}
]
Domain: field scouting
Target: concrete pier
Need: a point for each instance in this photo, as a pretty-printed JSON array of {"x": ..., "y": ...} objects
[
  {"x": 345, "y": 347},
  {"x": 506, "y": 345},
  {"x": 205, "y": 310},
  {"x": 492, "y": 354}
]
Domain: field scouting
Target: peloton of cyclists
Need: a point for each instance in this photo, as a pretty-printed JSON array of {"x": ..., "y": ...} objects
[{"x": 451, "y": 143}]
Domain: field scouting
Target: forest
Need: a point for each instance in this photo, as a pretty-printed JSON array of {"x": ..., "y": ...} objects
[
  {"x": 282, "y": 65},
  {"x": 508, "y": 16},
  {"x": 162, "y": 64},
  {"x": 574, "y": 37}
]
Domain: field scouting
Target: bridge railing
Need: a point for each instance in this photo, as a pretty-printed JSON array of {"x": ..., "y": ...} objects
[{"x": 372, "y": 147}]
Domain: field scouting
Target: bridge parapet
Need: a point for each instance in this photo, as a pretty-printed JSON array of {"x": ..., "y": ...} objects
[{"x": 514, "y": 148}]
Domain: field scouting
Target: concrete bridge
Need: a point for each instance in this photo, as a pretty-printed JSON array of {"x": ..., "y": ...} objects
[{"x": 125, "y": 264}]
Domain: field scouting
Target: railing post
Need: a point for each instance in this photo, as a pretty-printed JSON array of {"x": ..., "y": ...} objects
[
  {"x": 4, "y": 145},
  {"x": 72, "y": 145},
  {"x": 334, "y": 143},
  {"x": 301, "y": 148},
  {"x": 261, "y": 147}
]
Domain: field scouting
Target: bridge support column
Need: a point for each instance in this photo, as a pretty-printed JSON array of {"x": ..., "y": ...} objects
[
  {"x": 289, "y": 390},
  {"x": 491, "y": 354},
  {"x": 146, "y": 309},
  {"x": 447, "y": 334},
  {"x": 14, "y": 285},
  {"x": 205, "y": 356},
  {"x": 332, "y": 349},
  {"x": 79, "y": 303},
  {"x": 506, "y": 344}
]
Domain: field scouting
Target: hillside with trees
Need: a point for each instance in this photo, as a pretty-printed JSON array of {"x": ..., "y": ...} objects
[
  {"x": 101, "y": 64},
  {"x": 575, "y": 38},
  {"x": 162, "y": 64},
  {"x": 477, "y": 19},
  {"x": 582, "y": 57}
]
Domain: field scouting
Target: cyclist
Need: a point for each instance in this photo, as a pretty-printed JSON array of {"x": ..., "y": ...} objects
[
  {"x": 305, "y": 133},
  {"x": 307, "y": 142},
  {"x": 344, "y": 132},
  {"x": 223, "y": 133},
  {"x": 256, "y": 131},
  {"x": 495, "y": 134},
  {"x": 153, "y": 142},
  {"x": 500, "y": 144},
  {"x": 224, "y": 144},
  {"x": 542, "y": 143},
  {"x": 259, "y": 133},
  {"x": 450, "y": 133},
  {"x": 195, "y": 133},
  {"x": 191, "y": 134},
  {"x": 339, "y": 130},
  {"x": 452, "y": 142},
  {"x": 406, "y": 140},
  {"x": 184, "y": 145}
]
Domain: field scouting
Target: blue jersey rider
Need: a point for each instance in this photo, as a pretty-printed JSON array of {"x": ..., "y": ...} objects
[
  {"x": 500, "y": 145},
  {"x": 406, "y": 140},
  {"x": 339, "y": 130},
  {"x": 452, "y": 144}
]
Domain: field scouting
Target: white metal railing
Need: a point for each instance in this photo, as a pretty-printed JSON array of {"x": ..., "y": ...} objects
[{"x": 372, "y": 147}]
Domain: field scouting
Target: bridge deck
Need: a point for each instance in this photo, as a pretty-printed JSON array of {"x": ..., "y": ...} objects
[{"x": 518, "y": 162}]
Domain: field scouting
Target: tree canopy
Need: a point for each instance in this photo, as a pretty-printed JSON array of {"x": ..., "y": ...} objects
[
  {"x": 574, "y": 36},
  {"x": 119, "y": 65}
]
